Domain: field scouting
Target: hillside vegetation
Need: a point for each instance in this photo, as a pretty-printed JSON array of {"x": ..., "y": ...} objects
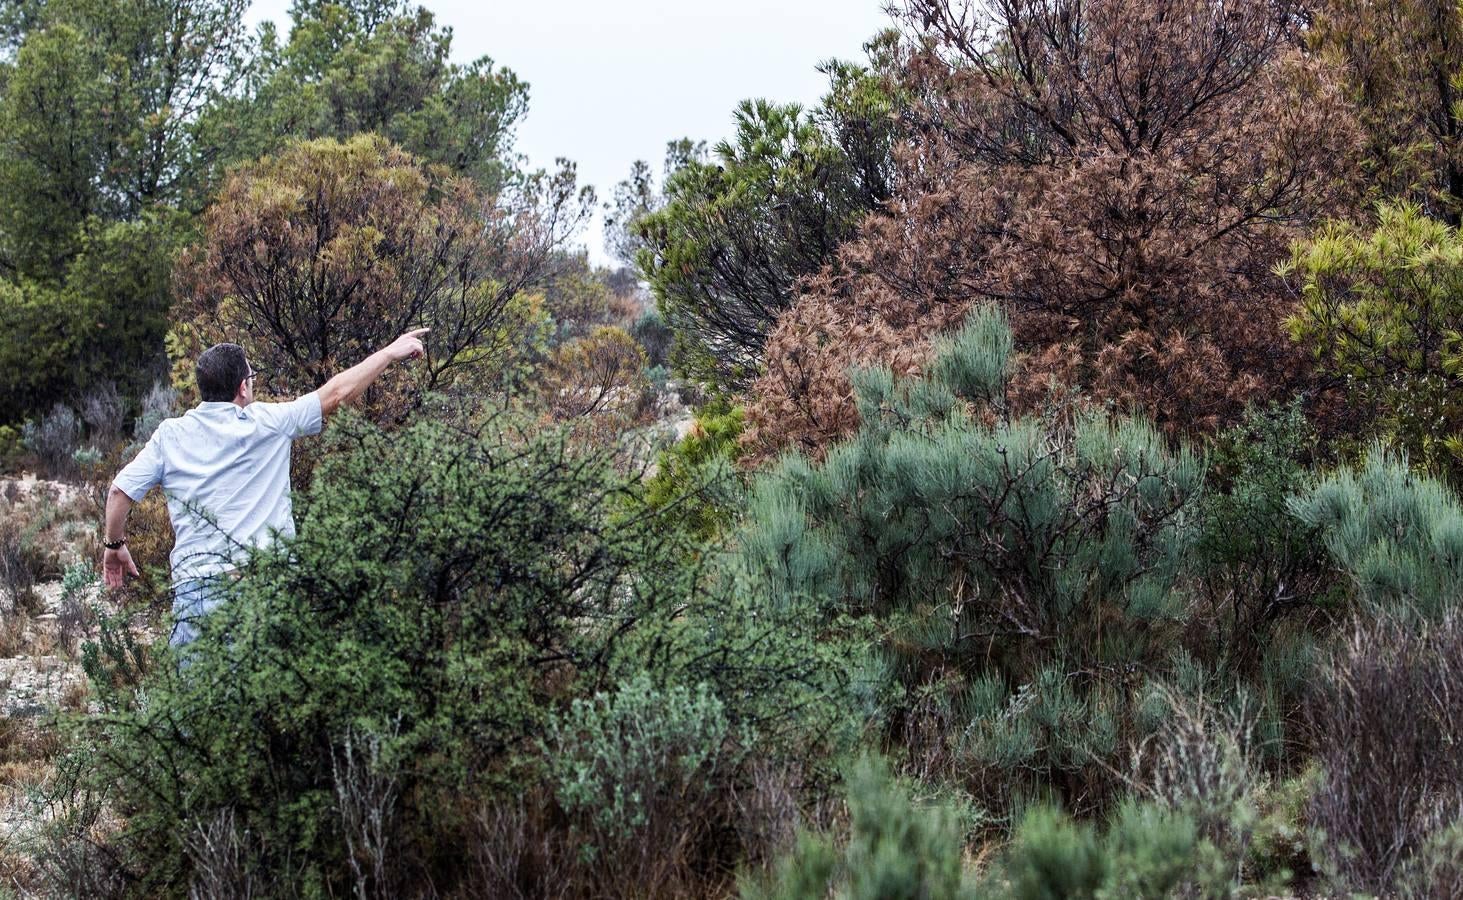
[{"x": 1031, "y": 471}]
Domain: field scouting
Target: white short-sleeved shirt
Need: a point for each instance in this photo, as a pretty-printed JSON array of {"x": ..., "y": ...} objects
[{"x": 226, "y": 472}]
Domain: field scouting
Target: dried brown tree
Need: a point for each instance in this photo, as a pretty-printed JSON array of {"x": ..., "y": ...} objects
[
  {"x": 314, "y": 258},
  {"x": 1123, "y": 175}
]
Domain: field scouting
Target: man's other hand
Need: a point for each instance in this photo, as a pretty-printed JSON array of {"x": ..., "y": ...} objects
[
  {"x": 408, "y": 346},
  {"x": 116, "y": 565}
]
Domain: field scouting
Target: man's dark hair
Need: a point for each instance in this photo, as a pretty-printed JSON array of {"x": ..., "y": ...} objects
[{"x": 220, "y": 369}]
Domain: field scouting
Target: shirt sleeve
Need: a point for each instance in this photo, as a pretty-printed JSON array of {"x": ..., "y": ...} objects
[
  {"x": 145, "y": 471},
  {"x": 297, "y": 418}
]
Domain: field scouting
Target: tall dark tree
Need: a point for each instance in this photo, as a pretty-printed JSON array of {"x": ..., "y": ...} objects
[
  {"x": 99, "y": 117},
  {"x": 103, "y": 160},
  {"x": 725, "y": 253}
]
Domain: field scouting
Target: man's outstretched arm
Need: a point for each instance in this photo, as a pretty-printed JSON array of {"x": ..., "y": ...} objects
[
  {"x": 117, "y": 562},
  {"x": 352, "y": 383}
]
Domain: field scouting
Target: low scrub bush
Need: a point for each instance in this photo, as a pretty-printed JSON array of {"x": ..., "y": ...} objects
[
  {"x": 19, "y": 563},
  {"x": 53, "y": 439},
  {"x": 155, "y": 406},
  {"x": 895, "y": 849},
  {"x": 1146, "y": 851},
  {"x": 1023, "y": 570},
  {"x": 1397, "y": 535},
  {"x": 654, "y": 335},
  {"x": 103, "y": 411},
  {"x": 1436, "y": 869},
  {"x": 1202, "y": 769},
  {"x": 637, "y": 772},
  {"x": 1387, "y": 720},
  {"x": 451, "y": 592}
]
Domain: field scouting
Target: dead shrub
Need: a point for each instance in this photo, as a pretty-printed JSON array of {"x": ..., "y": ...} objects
[
  {"x": 20, "y": 564},
  {"x": 103, "y": 411},
  {"x": 524, "y": 848},
  {"x": 768, "y": 812},
  {"x": 515, "y": 852},
  {"x": 221, "y": 858},
  {"x": 12, "y": 633},
  {"x": 366, "y": 789},
  {"x": 1200, "y": 762},
  {"x": 1387, "y": 724},
  {"x": 53, "y": 439}
]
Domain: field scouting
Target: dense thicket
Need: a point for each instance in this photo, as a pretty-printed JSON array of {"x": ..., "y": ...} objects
[
  {"x": 1056, "y": 493},
  {"x": 451, "y": 589}
]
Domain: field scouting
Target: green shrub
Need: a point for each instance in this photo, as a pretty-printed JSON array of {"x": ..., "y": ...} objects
[
  {"x": 1146, "y": 851},
  {"x": 450, "y": 588},
  {"x": 652, "y": 333},
  {"x": 1258, "y": 564},
  {"x": 1397, "y": 535},
  {"x": 895, "y": 849},
  {"x": 637, "y": 767},
  {"x": 101, "y": 320},
  {"x": 1278, "y": 849},
  {"x": 1436, "y": 869},
  {"x": 696, "y": 473},
  {"x": 1023, "y": 569}
]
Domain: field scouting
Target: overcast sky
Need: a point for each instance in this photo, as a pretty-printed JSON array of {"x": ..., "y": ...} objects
[{"x": 610, "y": 81}]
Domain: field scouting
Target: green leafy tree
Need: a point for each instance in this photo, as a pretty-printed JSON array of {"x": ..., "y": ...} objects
[
  {"x": 101, "y": 161},
  {"x": 638, "y": 196},
  {"x": 379, "y": 66},
  {"x": 104, "y": 323},
  {"x": 725, "y": 251},
  {"x": 1381, "y": 312},
  {"x": 1259, "y": 566},
  {"x": 99, "y": 117}
]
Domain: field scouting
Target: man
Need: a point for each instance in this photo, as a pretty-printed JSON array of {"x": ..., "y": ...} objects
[{"x": 225, "y": 468}]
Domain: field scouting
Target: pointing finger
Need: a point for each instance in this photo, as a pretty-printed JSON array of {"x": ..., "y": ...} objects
[{"x": 418, "y": 332}]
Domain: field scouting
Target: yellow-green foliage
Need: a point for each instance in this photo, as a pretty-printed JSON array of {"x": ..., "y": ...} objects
[
  {"x": 696, "y": 473},
  {"x": 1382, "y": 309}
]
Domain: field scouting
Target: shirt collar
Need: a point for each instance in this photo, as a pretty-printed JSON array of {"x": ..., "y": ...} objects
[{"x": 221, "y": 407}]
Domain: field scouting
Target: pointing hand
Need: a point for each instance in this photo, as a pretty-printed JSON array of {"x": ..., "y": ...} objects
[{"x": 408, "y": 346}]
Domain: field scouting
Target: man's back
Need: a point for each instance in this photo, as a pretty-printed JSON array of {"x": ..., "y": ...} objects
[{"x": 226, "y": 471}]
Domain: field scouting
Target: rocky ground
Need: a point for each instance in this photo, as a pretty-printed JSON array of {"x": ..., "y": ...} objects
[{"x": 51, "y": 602}]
